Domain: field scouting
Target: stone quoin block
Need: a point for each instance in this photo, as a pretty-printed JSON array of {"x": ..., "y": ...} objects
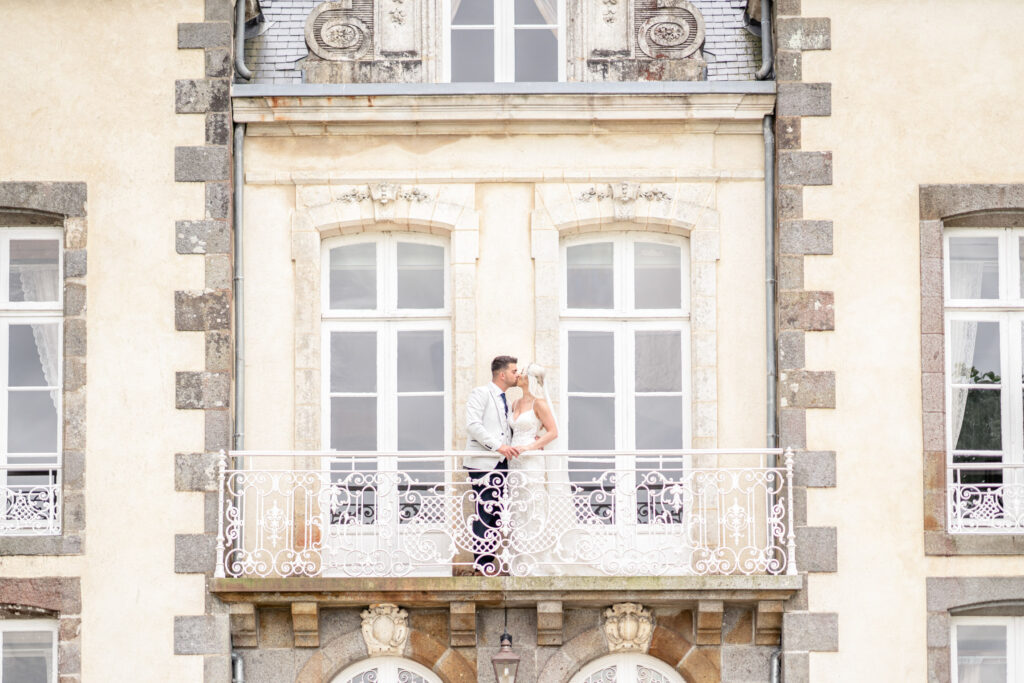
[
  {"x": 789, "y": 65},
  {"x": 218, "y": 129},
  {"x": 195, "y": 472},
  {"x": 805, "y": 237},
  {"x": 791, "y": 349},
  {"x": 202, "y": 390},
  {"x": 218, "y": 62},
  {"x": 812, "y": 311},
  {"x": 805, "y": 168},
  {"x": 201, "y": 635},
  {"x": 218, "y": 195},
  {"x": 194, "y": 553},
  {"x": 197, "y": 311},
  {"x": 75, "y": 262},
  {"x": 810, "y": 631},
  {"x": 66, "y": 199},
  {"x": 192, "y": 96},
  {"x": 943, "y": 201},
  {"x": 804, "y": 99},
  {"x": 204, "y": 34},
  {"x": 816, "y": 469},
  {"x": 817, "y": 549},
  {"x": 198, "y": 164},
  {"x": 202, "y": 237},
  {"x": 807, "y": 389},
  {"x": 787, "y": 132},
  {"x": 804, "y": 33}
]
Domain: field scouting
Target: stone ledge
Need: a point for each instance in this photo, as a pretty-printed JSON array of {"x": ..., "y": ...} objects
[
  {"x": 66, "y": 199},
  {"x": 945, "y": 544},
  {"x": 520, "y": 591},
  {"x": 944, "y": 201}
]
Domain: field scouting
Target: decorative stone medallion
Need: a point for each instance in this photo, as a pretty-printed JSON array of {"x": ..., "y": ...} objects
[
  {"x": 334, "y": 32},
  {"x": 628, "y": 627},
  {"x": 385, "y": 629},
  {"x": 673, "y": 29}
]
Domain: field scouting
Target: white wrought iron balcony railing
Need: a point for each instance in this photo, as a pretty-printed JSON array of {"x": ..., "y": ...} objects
[
  {"x": 31, "y": 500},
  {"x": 986, "y": 498},
  {"x": 584, "y": 513}
]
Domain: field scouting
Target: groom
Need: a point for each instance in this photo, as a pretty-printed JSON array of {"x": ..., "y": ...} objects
[{"x": 487, "y": 423}]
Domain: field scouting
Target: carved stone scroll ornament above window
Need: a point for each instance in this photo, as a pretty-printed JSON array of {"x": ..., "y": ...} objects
[
  {"x": 624, "y": 194},
  {"x": 628, "y": 627},
  {"x": 385, "y": 629}
]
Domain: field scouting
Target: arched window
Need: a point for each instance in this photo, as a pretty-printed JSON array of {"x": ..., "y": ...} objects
[
  {"x": 386, "y": 670},
  {"x": 627, "y": 668}
]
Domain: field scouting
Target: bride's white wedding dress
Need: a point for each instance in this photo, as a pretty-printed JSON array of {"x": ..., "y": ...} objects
[{"x": 540, "y": 504}]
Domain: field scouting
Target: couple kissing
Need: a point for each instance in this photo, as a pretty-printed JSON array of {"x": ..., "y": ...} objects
[{"x": 503, "y": 437}]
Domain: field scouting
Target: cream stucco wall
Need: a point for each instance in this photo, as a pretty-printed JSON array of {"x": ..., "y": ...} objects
[
  {"x": 503, "y": 316},
  {"x": 904, "y": 113},
  {"x": 89, "y": 96}
]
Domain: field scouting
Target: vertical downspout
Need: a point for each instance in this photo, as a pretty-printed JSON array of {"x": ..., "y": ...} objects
[
  {"x": 767, "y": 56},
  {"x": 238, "y": 438},
  {"x": 769, "y": 283},
  {"x": 774, "y": 674},
  {"x": 237, "y": 668},
  {"x": 240, "y": 68}
]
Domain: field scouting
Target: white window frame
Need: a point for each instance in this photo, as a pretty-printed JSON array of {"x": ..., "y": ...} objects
[
  {"x": 504, "y": 27},
  {"x": 626, "y": 665},
  {"x": 25, "y": 313},
  {"x": 1014, "y": 644},
  {"x": 22, "y": 625},
  {"x": 623, "y": 319},
  {"x": 387, "y": 320},
  {"x": 386, "y": 666}
]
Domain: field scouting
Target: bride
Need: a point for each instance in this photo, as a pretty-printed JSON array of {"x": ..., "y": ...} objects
[{"x": 534, "y": 516}]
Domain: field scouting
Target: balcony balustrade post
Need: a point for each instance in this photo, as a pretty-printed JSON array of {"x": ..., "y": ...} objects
[
  {"x": 791, "y": 531},
  {"x": 222, "y": 463}
]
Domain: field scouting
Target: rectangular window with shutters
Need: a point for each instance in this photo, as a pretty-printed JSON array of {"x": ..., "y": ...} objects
[{"x": 31, "y": 313}]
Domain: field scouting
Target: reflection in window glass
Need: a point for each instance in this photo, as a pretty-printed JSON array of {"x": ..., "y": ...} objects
[
  {"x": 974, "y": 267},
  {"x": 975, "y": 352},
  {"x": 536, "y": 55},
  {"x": 589, "y": 276},
  {"x": 981, "y": 653},
  {"x": 34, "y": 271},
  {"x": 472, "y": 12},
  {"x": 420, "y": 275},
  {"x": 657, "y": 280},
  {"x": 473, "y": 56},
  {"x": 353, "y": 282}
]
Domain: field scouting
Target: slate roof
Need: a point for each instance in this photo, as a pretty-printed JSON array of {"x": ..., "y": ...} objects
[{"x": 732, "y": 53}]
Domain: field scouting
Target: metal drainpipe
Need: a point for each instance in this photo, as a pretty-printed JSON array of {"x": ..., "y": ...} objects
[
  {"x": 237, "y": 668},
  {"x": 240, "y": 68},
  {"x": 767, "y": 58},
  {"x": 238, "y": 438},
  {"x": 774, "y": 675},
  {"x": 769, "y": 272}
]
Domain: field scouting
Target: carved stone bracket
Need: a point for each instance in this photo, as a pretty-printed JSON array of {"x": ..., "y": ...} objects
[
  {"x": 628, "y": 627},
  {"x": 624, "y": 194},
  {"x": 306, "y": 624},
  {"x": 462, "y": 624},
  {"x": 242, "y": 622},
  {"x": 709, "y": 622},
  {"x": 768, "y": 623},
  {"x": 549, "y": 622},
  {"x": 385, "y": 629}
]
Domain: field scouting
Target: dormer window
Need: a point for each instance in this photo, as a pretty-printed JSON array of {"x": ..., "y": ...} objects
[{"x": 504, "y": 41}]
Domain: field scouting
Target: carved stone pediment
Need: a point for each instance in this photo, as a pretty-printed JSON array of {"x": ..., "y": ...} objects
[
  {"x": 628, "y": 627},
  {"x": 385, "y": 629}
]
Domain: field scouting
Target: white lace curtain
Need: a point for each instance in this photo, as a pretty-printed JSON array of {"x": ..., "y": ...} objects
[
  {"x": 965, "y": 283},
  {"x": 41, "y": 283}
]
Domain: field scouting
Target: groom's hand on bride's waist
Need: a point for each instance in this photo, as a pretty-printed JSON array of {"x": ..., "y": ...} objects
[{"x": 509, "y": 451}]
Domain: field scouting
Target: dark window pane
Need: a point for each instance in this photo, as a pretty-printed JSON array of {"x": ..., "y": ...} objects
[
  {"x": 984, "y": 367},
  {"x": 421, "y": 360},
  {"x": 536, "y": 55},
  {"x": 589, "y": 276},
  {"x": 354, "y": 362},
  {"x": 472, "y": 11},
  {"x": 420, "y": 276},
  {"x": 354, "y": 276},
  {"x": 657, "y": 278},
  {"x": 34, "y": 266},
  {"x": 591, "y": 423},
  {"x": 659, "y": 361},
  {"x": 591, "y": 362},
  {"x": 473, "y": 56},
  {"x": 354, "y": 424},
  {"x": 31, "y": 421},
  {"x": 659, "y": 422},
  {"x": 421, "y": 423},
  {"x": 981, "y": 429}
]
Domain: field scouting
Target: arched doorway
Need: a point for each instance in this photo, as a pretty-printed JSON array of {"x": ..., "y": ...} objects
[
  {"x": 386, "y": 670},
  {"x": 627, "y": 668}
]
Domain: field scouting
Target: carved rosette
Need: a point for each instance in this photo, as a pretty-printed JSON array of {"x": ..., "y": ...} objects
[
  {"x": 385, "y": 629},
  {"x": 628, "y": 627},
  {"x": 335, "y": 33},
  {"x": 674, "y": 30}
]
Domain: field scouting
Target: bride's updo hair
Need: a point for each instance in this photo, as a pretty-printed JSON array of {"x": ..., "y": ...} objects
[{"x": 535, "y": 378}]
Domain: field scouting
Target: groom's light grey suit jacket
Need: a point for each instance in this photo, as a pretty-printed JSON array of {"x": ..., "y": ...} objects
[{"x": 487, "y": 427}]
